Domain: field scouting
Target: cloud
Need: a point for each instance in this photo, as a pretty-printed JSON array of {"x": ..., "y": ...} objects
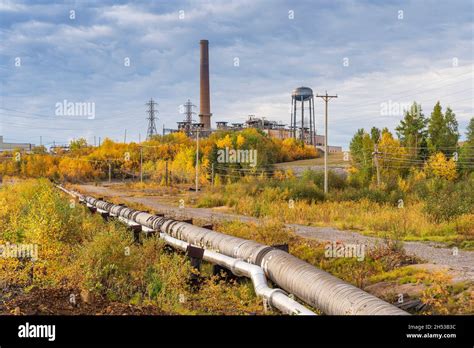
[
  {"x": 11, "y": 6},
  {"x": 83, "y": 60}
]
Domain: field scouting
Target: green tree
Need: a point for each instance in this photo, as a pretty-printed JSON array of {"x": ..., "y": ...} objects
[
  {"x": 78, "y": 144},
  {"x": 361, "y": 148},
  {"x": 443, "y": 134},
  {"x": 452, "y": 133},
  {"x": 375, "y": 134},
  {"x": 412, "y": 130},
  {"x": 466, "y": 156}
]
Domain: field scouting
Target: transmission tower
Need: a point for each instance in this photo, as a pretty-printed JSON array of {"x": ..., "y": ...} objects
[
  {"x": 151, "y": 119},
  {"x": 188, "y": 111}
]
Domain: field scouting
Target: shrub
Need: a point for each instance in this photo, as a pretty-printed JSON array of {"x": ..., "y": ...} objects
[
  {"x": 446, "y": 200},
  {"x": 335, "y": 181},
  {"x": 308, "y": 192},
  {"x": 112, "y": 266},
  {"x": 210, "y": 201}
]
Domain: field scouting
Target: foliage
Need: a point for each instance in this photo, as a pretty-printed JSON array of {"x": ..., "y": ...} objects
[
  {"x": 412, "y": 131},
  {"x": 362, "y": 168},
  {"x": 466, "y": 156},
  {"x": 439, "y": 166},
  {"x": 443, "y": 132},
  {"x": 172, "y": 156},
  {"x": 447, "y": 200},
  {"x": 78, "y": 249}
]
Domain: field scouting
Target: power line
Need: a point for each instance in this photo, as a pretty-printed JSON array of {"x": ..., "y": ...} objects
[{"x": 409, "y": 93}]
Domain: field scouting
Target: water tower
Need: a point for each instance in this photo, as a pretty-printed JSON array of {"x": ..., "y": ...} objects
[{"x": 307, "y": 130}]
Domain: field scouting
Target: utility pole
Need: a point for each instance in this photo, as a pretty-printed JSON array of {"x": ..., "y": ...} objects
[
  {"x": 141, "y": 163},
  {"x": 197, "y": 159},
  {"x": 125, "y": 137},
  {"x": 139, "y": 138},
  {"x": 166, "y": 173},
  {"x": 110, "y": 172},
  {"x": 99, "y": 141},
  {"x": 326, "y": 99},
  {"x": 41, "y": 140},
  {"x": 376, "y": 160},
  {"x": 212, "y": 174}
]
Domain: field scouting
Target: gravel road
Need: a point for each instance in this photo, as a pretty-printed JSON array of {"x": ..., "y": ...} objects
[{"x": 459, "y": 262}]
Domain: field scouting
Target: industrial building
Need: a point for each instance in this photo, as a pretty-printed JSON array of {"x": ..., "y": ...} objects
[
  {"x": 301, "y": 127},
  {"x": 14, "y": 146},
  {"x": 278, "y": 130}
]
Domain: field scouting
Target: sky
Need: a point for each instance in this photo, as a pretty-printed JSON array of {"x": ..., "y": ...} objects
[{"x": 376, "y": 56}]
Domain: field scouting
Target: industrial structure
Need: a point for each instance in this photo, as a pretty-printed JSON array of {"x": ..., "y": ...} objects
[
  {"x": 278, "y": 130},
  {"x": 205, "y": 98},
  {"x": 302, "y": 120},
  {"x": 306, "y": 133},
  {"x": 244, "y": 257},
  {"x": 188, "y": 125},
  {"x": 151, "y": 119},
  {"x": 15, "y": 146}
]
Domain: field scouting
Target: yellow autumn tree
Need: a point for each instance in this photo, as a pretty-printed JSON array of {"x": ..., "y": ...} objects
[
  {"x": 75, "y": 169},
  {"x": 393, "y": 160},
  {"x": 240, "y": 140},
  {"x": 439, "y": 166},
  {"x": 182, "y": 167},
  {"x": 224, "y": 142}
]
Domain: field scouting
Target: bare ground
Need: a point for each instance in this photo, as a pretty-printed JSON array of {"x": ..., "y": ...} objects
[{"x": 58, "y": 301}]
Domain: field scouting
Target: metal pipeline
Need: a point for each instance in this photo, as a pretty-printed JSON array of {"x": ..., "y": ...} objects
[
  {"x": 275, "y": 297},
  {"x": 313, "y": 286}
]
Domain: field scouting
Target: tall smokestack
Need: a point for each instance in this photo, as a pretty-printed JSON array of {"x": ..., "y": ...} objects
[{"x": 205, "y": 104}]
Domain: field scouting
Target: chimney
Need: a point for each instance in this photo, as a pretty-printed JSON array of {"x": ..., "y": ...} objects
[{"x": 205, "y": 102}]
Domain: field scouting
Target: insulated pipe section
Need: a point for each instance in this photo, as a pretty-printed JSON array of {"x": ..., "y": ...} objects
[
  {"x": 276, "y": 297},
  {"x": 313, "y": 286}
]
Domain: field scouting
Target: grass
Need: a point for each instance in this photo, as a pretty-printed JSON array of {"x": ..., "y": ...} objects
[
  {"x": 379, "y": 219},
  {"x": 384, "y": 263},
  {"x": 80, "y": 250}
]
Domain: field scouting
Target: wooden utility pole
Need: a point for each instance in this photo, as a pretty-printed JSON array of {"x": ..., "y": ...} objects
[
  {"x": 376, "y": 160},
  {"x": 197, "y": 159},
  {"x": 110, "y": 172},
  {"x": 141, "y": 163},
  {"x": 125, "y": 137},
  {"x": 166, "y": 173},
  {"x": 212, "y": 174},
  {"x": 326, "y": 99}
]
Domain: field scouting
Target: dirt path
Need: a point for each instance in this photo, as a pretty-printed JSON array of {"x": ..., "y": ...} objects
[{"x": 461, "y": 264}]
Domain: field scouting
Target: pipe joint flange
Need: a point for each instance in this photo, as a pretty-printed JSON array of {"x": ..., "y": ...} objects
[
  {"x": 233, "y": 267},
  {"x": 261, "y": 254}
]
